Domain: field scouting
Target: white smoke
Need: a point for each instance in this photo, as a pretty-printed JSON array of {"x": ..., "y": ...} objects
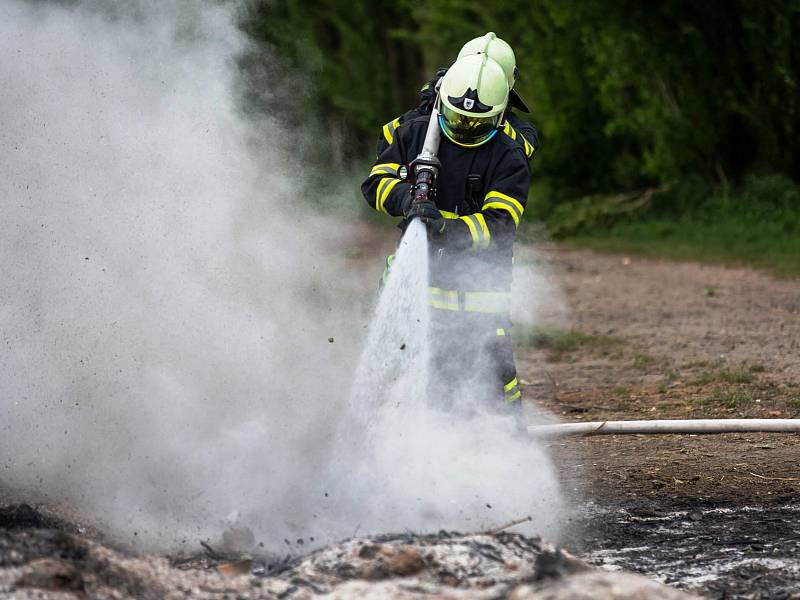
[{"x": 167, "y": 299}]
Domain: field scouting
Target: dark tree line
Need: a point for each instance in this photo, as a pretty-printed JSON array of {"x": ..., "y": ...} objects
[{"x": 626, "y": 94}]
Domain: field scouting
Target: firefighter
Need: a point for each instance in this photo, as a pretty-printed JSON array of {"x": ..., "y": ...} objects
[
  {"x": 516, "y": 128},
  {"x": 481, "y": 193}
]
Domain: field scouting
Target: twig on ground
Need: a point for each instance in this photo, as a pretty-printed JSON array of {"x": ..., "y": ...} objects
[
  {"x": 210, "y": 551},
  {"x": 550, "y": 377},
  {"x": 510, "y": 524},
  {"x": 775, "y": 478}
]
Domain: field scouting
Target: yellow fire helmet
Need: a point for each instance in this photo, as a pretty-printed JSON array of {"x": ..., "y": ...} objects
[
  {"x": 472, "y": 98},
  {"x": 500, "y": 52},
  {"x": 496, "y": 49}
]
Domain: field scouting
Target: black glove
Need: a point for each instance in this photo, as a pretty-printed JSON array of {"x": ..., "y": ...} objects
[
  {"x": 425, "y": 210},
  {"x": 407, "y": 201}
]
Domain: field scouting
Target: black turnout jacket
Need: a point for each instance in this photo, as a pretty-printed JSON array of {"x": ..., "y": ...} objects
[{"x": 483, "y": 191}]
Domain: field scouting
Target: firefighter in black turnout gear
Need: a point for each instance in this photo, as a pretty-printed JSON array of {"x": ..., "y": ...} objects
[
  {"x": 519, "y": 130},
  {"x": 481, "y": 192}
]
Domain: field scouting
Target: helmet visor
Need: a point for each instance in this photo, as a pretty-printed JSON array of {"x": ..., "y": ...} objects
[{"x": 467, "y": 130}]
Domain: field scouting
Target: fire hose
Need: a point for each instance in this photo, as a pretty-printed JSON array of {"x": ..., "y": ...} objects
[{"x": 661, "y": 426}]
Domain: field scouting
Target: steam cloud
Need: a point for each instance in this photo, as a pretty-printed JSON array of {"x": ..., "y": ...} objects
[{"x": 166, "y": 302}]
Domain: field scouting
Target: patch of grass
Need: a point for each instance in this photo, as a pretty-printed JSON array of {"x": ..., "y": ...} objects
[
  {"x": 736, "y": 399},
  {"x": 725, "y": 376},
  {"x": 643, "y": 361},
  {"x": 757, "y": 224},
  {"x": 562, "y": 342},
  {"x": 757, "y": 368},
  {"x": 695, "y": 364},
  {"x": 735, "y": 376},
  {"x": 662, "y": 388}
]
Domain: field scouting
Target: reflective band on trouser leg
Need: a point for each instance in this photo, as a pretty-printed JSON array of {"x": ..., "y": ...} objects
[
  {"x": 479, "y": 302},
  {"x": 443, "y": 299},
  {"x": 387, "y": 268},
  {"x": 487, "y": 302},
  {"x": 389, "y": 129},
  {"x": 505, "y": 202},
  {"x": 478, "y": 230},
  {"x": 511, "y": 391}
]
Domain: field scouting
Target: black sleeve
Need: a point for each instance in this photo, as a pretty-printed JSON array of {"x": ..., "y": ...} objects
[
  {"x": 383, "y": 189},
  {"x": 523, "y": 133}
]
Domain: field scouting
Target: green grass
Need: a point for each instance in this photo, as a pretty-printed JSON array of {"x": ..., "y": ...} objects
[
  {"x": 728, "y": 399},
  {"x": 725, "y": 243},
  {"x": 733, "y": 376},
  {"x": 643, "y": 361},
  {"x": 561, "y": 342},
  {"x": 756, "y": 224}
]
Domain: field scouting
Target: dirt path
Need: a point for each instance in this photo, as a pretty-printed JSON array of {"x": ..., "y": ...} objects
[{"x": 650, "y": 339}]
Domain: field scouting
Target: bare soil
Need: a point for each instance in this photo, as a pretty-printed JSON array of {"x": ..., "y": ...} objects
[{"x": 680, "y": 340}]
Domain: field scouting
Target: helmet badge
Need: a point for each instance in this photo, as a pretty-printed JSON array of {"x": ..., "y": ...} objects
[{"x": 469, "y": 102}]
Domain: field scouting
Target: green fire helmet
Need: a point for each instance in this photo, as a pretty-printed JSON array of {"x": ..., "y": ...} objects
[
  {"x": 472, "y": 98},
  {"x": 500, "y": 52}
]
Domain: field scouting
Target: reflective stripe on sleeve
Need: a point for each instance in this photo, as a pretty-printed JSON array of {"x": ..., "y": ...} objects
[
  {"x": 478, "y": 229},
  {"x": 501, "y": 332},
  {"x": 382, "y": 193},
  {"x": 495, "y": 199},
  {"x": 389, "y": 129},
  {"x": 385, "y": 169}
]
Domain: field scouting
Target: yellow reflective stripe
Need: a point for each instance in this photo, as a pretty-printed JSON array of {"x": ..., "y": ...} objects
[
  {"x": 472, "y": 229},
  {"x": 514, "y": 201},
  {"x": 387, "y": 168},
  {"x": 448, "y": 215},
  {"x": 389, "y": 129},
  {"x": 510, "y": 384},
  {"x": 510, "y": 131},
  {"x": 478, "y": 230},
  {"x": 504, "y": 202},
  {"x": 484, "y": 229},
  {"x": 384, "y": 187},
  {"x": 501, "y": 332},
  {"x": 506, "y": 206},
  {"x": 487, "y": 302},
  {"x": 484, "y": 302},
  {"x": 528, "y": 147},
  {"x": 381, "y": 184},
  {"x": 443, "y": 299},
  {"x": 388, "y": 134},
  {"x": 515, "y": 396}
]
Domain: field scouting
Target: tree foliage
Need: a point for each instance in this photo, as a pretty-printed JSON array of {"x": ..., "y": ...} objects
[{"x": 626, "y": 94}]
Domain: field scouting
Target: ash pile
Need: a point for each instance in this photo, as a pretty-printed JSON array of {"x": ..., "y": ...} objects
[{"x": 44, "y": 558}]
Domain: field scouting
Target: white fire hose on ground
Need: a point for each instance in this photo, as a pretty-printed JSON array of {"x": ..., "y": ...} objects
[{"x": 660, "y": 426}]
